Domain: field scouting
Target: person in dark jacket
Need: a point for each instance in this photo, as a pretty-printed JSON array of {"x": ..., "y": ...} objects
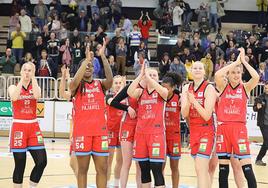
[{"x": 261, "y": 106}]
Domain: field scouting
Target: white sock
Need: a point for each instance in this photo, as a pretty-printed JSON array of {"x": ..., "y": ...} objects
[{"x": 116, "y": 182}]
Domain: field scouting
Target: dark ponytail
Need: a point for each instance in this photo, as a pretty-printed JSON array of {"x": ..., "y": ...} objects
[{"x": 173, "y": 79}]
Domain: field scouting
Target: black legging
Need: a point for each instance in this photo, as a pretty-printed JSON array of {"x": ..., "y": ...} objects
[
  {"x": 156, "y": 168},
  {"x": 40, "y": 160}
]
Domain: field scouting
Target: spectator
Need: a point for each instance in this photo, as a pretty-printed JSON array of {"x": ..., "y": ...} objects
[
  {"x": 213, "y": 14},
  {"x": 100, "y": 35},
  {"x": 231, "y": 49},
  {"x": 40, "y": 12},
  {"x": 215, "y": 52},
  {"x": 177, "y": 50},
  {"x": 159, "y": 14},
  {"x": 95, "y": 22},
  {"x": 252, "y": 62},
  {"x": 112, "y": 64},
  {"x": 77, "y": 54},
  {"x": 262, "y": 9},
  {"x": 188, "y": 67},
  {"x": 53, "y": 46},
  {"x": 206, "y": 42},
  {"x": 82, "y": 21},
  {"x": 204, "y": 28},
  {"x": 127, "y": 25},
  {"x": 8, "y": 63},
  {"x": 187, "y": 55},
  {"x": 178, "y": 67},
  {"x": 18, "y": 38},
  {"x": 82, "y": 6},
  {"x": 54, "y": 23},
  {"x": 201, "y": 12},
  {"x": 232, "y": 58},
  {"x": 220, "y": 64},
  {"x": 44, "y": 65},
  {"x": 94, "y": 7},
  {"x": 137, "y": 65},
  {"x": 187, "y": 14},
  {"x": 98, "y": 70},
  {"x": 121, "y": 54},
  {"x": 164, "y": 65},
  {"x": 45, "y": 34},
  {"x": 145, "y": 24},
  {"x": 101, "y": 68},
  {"x": 197, "y": 49},
  {"x": 252, "y": 43},
  {"x": 208, "y": 65},
  {"x": 144, "y": 49},
  {"x": 220, "y": 12},
  {"x": 38, "y": 47},
  {"x": 90, "y": 42},
  {"x": 185, "y": 40},
  {"x": 116, "y": 6},
  {"x": 75, "y": 37},
  {"x": 28, "y": 58},
  {"x": 177, "y": 18},
  {"x": 135, "y": 38},
  {"x": 26, "y": 5},
  {"x": 263, "y": 52},
  {"x": 252, "y": 59},
  {"x": 66, "y": 51},
  {"x": 114, "y": 41},
  {"x": 13, "y": 22},
  {"x": 55, "y": 7},
  {"x": 15, "y": 7},
  {"x": 263, "y": 73},
  {"x": 25, "y": 21}
]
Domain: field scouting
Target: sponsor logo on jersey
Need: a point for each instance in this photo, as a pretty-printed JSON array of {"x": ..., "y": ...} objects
[
  {"x": 173, "y": 103},
  {"x": 18, "y": 135}
]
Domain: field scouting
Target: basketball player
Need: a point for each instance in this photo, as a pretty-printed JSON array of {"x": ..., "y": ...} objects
[
  {"x": 232, "y": 135},
  {"x": 197, "y": 104},
  {"x": 114, "y": 120},
  {"x": 90, "y": 133},
  {"x": 149, "y": 141},
  {"x": 172, "y": 121},
  {"x": 25, "y": 133},
  {"x": 127, "y": 131},
  {"x": 67, "y": 96}
]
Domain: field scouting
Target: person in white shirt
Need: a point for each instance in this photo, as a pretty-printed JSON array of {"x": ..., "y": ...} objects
[
  {"x": 177, "y": 18},
  {"x": 25, "y": 21}
]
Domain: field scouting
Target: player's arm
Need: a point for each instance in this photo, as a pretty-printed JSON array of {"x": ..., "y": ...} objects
[
  {"x": 220, "y": 74},
  {"x": 108, "y": 82},
  {"x": 185, "y": 105},
  {"x": 209, "y": 103},
  {"x": 35, "y": 86},
  {"x": 134, "y": 91},
  {"x": 62, "y": 90}
]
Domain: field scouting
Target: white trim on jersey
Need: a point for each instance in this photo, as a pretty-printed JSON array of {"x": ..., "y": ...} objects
[{"x": 24, "y": 120}]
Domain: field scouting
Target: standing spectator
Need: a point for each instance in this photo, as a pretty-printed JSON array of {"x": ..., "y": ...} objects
[
  {"x": 201, "y": 12},
  {"x": 135, "y": 38},
  {"x": 159, "y": 14},
  {"x": 144, "y": 49},
  {"x": 82, "y": 21},
  {"x": 77, "y": 54},
  {"x": 262, "y": 8},
  {"x": 121, "y": 54},
  {"x": 8, "y": 63},
  {"x": 13, "y": 21},
  {"x": 178, "y": 67},
  {"x": 45, "y": 34},
  {"x": 100, "y": 35},
  {"x": 95, "y": 22},
  {"x": 187, "y": 14},
  {"x": 38, "y": 47},
  {"x": 220, "y": 11},
  {"x": 114, "y": 41},
  {"x": 177, "y": 18},
  {"x": 18, "y": 37},
  {"x": 113, "y": 65},
  {"x": 197, "y": 49},
  {"x": 53, "y": 46},
  {"x": 44, "y": 65},
  {"x": 261, "y": 106},
  {"x": 75, "y": 37},
  {"x": 40, "y": 12},
  {"x": 82, "y": 6},
  {"x": 137, "y": 65},
  {"x": 127, "y": 25},
  {"x": 204, "y": 28},
  {"x": 26, "y": 5},
  {"x": 177, "y": 50},
  {"x": 213, "y": 14},
  {"x": 164, "y": 65},
  {"x": 15, "y": 7},
  {"x": 55, "y": 7},
  {"x": 25, "y": 21},
  {"x": 145, "y": 24},
  {"x": 116, "y": 6},
  {"x": 66, "y": 51},
  {"x": 208, "y": 65},
  {"x": 187, "y": 55}
]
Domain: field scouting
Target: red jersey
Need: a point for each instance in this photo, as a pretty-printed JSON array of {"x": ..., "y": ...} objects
[
  {"x": 89, "y": 113},
  {"x": 114, "y": 118},
  {"x": 195, "y": 117},
  {"x": 150, "y": 116},
  {"x": 232, "y": 105},
  {"x": 172, "y": 116},
  {"x": 25, "y": 107},
  {"x": 133, "y": 103}
]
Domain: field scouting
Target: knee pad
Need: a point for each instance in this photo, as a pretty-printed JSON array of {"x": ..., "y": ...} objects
[
  {"x": 249, "y": 174},
  {"x": 145, "y": 171},
  {"x": 158, "y": 173},
  {"x": 223, "y": 175}
]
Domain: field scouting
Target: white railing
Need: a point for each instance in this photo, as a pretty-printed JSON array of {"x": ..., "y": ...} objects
[{"x": 3, "y": 88}]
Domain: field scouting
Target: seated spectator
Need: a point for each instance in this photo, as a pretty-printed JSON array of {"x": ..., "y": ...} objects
[
  {"x": 220, "y": 64},
  {"x": 188, "y": 67},
  {"x": 187, "y": 55},
  {"x": 44, "y": 64},
  {"x": 215, "y": 52},
  {"x": 205, "y": 42},
  {"x": 201, "y": 12},
  {"x": 25, "y": 21},
  {"x": 164, "y": 65},
  {"x": 18, "y": 38},
  {"x": 38, "y": 47},
  {"x": 145, "y": 23},
  {"x": 82, "y": 21},
  {"x": 232, "y": 58},
  {"x": 40, "y": 12},
  {"x": 177, "y": 50},
  {"x": 185, "y": 40},
  {"x": 77, "y": 56},
  {"x": 13, "y": 22},
  {"x": 100, "y": 35},
  {"x": 54, "y": 23},
  {"x": 28, "y": 58},
  {"x": 137, "y": 65},
  {"x": 112, "y": 65},
  {"x": 95, "y": 22},
  {"x": 208, "y": 65},
  {"x": 197, "y": 49},
  {"x": 252, "y": 43},
  {"x": 178, "y": 67},
  {"x": 204, "y": 28},
  {"x": 8, "y": 62},
  {"x": 263, "y": 72},
  {"x": 121, "y": 54},
  {"x": 144, "y": 49},
  {"x": 231, "y": 49},
  {"x": 66, "y": 51},
  {"x": 135, "y": 38}
]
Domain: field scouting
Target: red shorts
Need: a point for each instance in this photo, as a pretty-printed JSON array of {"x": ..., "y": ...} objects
[
  {"x": 113, "y": 139},
  {"x": 202, "y": 141},
  {"x": 26, "y": 136},
  {"x": 149, "y": 147},
  {"x": 174, "y": 147},
  {"x": 127, "y": 132},
  {"x": 91, "y": 145},
  {"x": 233, "y": 139}
]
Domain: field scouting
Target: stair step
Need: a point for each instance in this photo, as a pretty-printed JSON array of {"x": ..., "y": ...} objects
[{"x": 3, "y": 48}]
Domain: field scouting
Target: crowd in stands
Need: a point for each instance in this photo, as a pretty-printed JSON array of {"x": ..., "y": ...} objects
[{"x": 61, "y": 37}]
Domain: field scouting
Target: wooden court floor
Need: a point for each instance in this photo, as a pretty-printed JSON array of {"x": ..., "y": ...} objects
[{"x": 58, "y": 174}]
